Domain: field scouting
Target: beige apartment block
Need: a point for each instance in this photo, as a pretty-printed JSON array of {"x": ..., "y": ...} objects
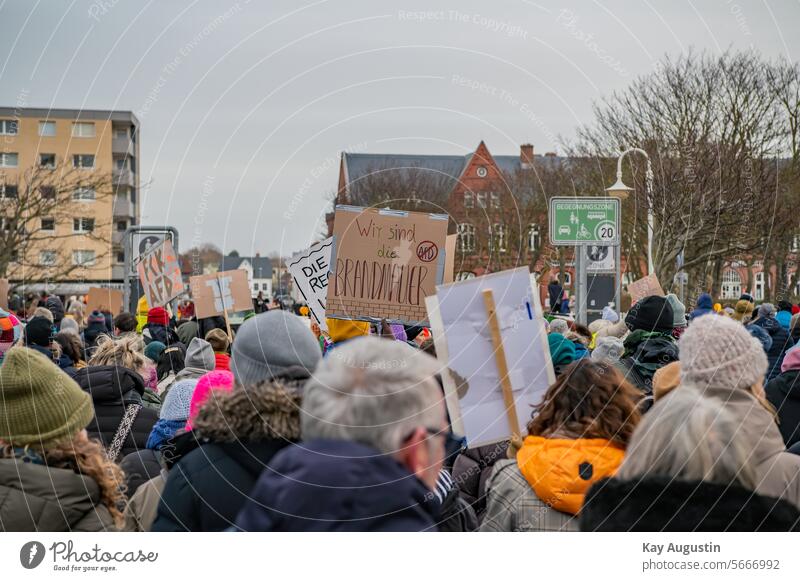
[{"x": 103, "y": 142}]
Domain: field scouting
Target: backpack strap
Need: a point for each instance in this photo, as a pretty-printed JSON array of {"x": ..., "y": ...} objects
[{"x": 122, "y": 431}]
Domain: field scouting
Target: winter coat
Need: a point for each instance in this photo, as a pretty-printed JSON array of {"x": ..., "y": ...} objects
[
  {"x": 781, "y": 343},
  {"x": 783, "y": 392},
  {"x": 141, "y": 509},
  {"x": 152, "y": 332},
  {"x": 187, "y": 331},
  {"x": 777, "y": 471},
  {"x": 784, "y": 318},
  {"x": 705, "y": 306},
  {"x": 364, "y": 490},
  {"x": 646, "y": 353},
  {"x": 554, "y": 293},
  {"x": 665, "y": 504},
  {"x": 471, "y": 471},
  {"x": 513, "y": 506},
  {"x": 113, "y": 390},
  {"x": 243, "y": 431},
  {"x": 37, "y": 498},
  {"x": 64, "y": 362},
  {"x": 139, "y": 467}
]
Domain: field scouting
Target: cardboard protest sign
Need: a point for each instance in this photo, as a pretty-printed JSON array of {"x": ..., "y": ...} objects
[
  {"x": 644, "y": 287},
  {"x": 310, "y": 270},
  {"x": 450, "y": 258},
  {"x": 216, "y": 294},
  {"x": 160, "y": 274},
  {"x": 384, "y": 263},
  {"x": 104, "y": 299},
  {"x": 464, "y": 344},
  {"x": 4, "y": 288}
]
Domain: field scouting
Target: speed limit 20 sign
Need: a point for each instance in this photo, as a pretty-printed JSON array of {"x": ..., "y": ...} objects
[{"x": 582, "y": 221}]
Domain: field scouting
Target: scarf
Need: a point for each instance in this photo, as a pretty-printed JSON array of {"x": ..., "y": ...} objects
[
  {"x": 639, "y": 336},
  {"x": 162, "y": 431}
]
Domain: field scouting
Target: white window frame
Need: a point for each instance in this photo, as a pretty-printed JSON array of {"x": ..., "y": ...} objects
[
  {"x": 758, "y": 292},
  {"x": 469, "y": 200},
  {"x": 6, "y": 124},
  {"x": 5, "y": 158},
  {"x": 567, "y": 278},
  {"x": 464, "y": 275},
  {"x": 500, "y": 237},
  {"x": 48, "y": 262},
  {"x": 80, "y": 156},
  {"x": 731, "y": 287},
  {"x": 77, "y": 254},
  {"x": 84, "y": 195},
  {"x": 82, "y": 222},
  {"x": 466, "y": 237},
  {"x": 79, "y": 127},
  {"x": 48, "y": 166},
  {"x": 43, "y": 124},
  {"x": 494, "y": 198},
  {"x": 480, "y": 199},
  {"x": 534, "y": 237}
]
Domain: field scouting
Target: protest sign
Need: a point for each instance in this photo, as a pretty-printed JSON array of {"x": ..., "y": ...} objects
[
  {"x": 384, "y": 263},
  {"x": 4, "y": 288},
  {"x": 310, "y": 270},
  {"x": 470, "y": 346},
  {"x": 104, "y": 299},
  {"x": 644, "y": 287},
  {"x": 160, "y": 274},
  {"x": 450, "y": 257},
  {"x": 219, "y": 293}
]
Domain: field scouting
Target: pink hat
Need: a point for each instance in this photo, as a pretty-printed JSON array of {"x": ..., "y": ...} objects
[{"x": 213, "y": 380}]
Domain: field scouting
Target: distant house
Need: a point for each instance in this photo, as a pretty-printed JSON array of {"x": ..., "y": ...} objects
[{"x": 259, "y": 272}]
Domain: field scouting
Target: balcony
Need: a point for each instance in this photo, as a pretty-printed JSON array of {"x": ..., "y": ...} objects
[
  {"x": 123, "y": 146},
  {"x": 122, "y": 207},
  {"x": 117, "y": 272},
  {"x": 122, "y": 177},
  {"x": 117, "y": 236}
]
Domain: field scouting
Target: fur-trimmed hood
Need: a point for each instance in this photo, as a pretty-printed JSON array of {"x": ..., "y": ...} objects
[{"x": 264, "y": 411}]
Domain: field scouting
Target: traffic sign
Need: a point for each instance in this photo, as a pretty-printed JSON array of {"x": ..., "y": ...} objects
[{"x": 583, "y": 221}]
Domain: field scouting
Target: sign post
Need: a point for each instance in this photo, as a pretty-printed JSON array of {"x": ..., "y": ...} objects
[{"x": 583, "y": 222}]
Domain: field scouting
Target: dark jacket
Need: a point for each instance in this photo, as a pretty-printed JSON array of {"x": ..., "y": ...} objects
[
  {"x": 704, "y": 306},
  {"x": 64, "y": 362},
  {"x": 471, "y": 471},
  {"x": 664, "y": 504},
  {"x": 36, "y": 498},
  {"x": 783, "y": 392},
  {"x": 646, "y": 353},
  {"x": 166, "y": 335},
  {"x": 554, "y": 293},
  {"x": 113, "y": 389},
  {"x": 139, "y": 467},
  {"x": 337, "y": 485},
  {"x": 781, "y": 343},
  {"x": 240, "y": 434}
]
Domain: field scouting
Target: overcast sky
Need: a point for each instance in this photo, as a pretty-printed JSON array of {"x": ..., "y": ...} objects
[{"x": 246, "y": 106}]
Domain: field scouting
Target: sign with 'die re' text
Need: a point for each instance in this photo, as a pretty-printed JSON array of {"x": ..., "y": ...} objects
[
  {"x": 384, "y": 263},
  {"x": 214, "y": 294},
  {"x": 310, "y": 270},
  {"x": 160, "y": 274}
]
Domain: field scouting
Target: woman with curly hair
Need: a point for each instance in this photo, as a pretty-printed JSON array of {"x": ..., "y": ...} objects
[
  {"x": 52, "y": 476},
  {"x": 577, "y": 435}
]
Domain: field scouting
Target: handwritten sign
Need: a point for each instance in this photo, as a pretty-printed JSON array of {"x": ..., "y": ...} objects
[
  {"x": 4, "y": 287},
  {"x": 214, "y": 294},
  {"x": 160, "y": 274},
  {"x": 310, "y": 270},
  {"x": 384, "y": 263},
  {"x": 104, "y": 299},
  {"x": 645, "y": 287}
]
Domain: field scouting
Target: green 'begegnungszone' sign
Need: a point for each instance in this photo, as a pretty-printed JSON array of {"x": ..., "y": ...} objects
[{"x": 580, "y": 221}]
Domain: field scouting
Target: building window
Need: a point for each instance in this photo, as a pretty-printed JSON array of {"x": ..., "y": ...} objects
[
  {"x": 6, "y": 224},
  {"x": 567, "y": 279},
  {"x": 83, "y": 130},
  {"x": 495, "y": 197},
  {"x": 83, "y": 161},
  {"x": 731, "y": 285},
  {"x": 120, "y": 256},
  {"x": 469, "y": 200},
  {"x": 481, "y": 197},
  {"x": 122, "y": 225},
  {"x": 264, "y": 286},
  {"x": 120, "y": 134},
  {"x": 82, "y": 224},
  {"x": 9, "y": 191},
  {"x": 84, "y": 195},
  {"x": 121, "y": 163},
  {"x": 534, "y": 237},
  {"x": 500, "y": 237},
  {"x": 47, "y": 128},
  {"x": 464, "y": 276},
  {"x": 47, "y": 257},
  {"x": 759, "y": 292},
  {"x": 49, "y": 224},
  {"x": 9, "y": 160},
  {"x": 9, "y": 126},
  {"x": 48, "y": 192},
  {"x": 795, "y": 243},
  {"x": 482, "y": 172},
  {"x": 83, "y": 257},
  {"x": 47, "y": 160},
  {"x": 255, "y": 286},
  {"x": 466, "y": 237}
]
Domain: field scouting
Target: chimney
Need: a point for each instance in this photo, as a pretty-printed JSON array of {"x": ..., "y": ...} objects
[{"x": 526, "y": 155}]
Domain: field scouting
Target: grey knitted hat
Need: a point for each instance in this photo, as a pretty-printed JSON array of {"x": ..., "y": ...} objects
[
  {"x": 179, "y": 397},
  {"x": 273, "y": 344},
  {"x": 608, "y": 349},
  {"x": 200, "y": 355},
  {"x": 719, "y": 352},
  {"x": 678, "y": 310},
  {"x": 766, "y": 310},
  {"x": 559, "y": 326}
]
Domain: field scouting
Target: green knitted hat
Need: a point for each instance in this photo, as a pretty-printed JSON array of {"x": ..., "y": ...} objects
[{"x": 39, "y": 402}]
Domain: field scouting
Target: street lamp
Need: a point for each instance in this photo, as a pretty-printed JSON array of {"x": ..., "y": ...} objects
[{"x": 621, "y": 191}]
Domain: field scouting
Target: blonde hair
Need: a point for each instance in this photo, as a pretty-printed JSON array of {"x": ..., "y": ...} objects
[
  {"x": 125, "y": 351},
  {"x": 43, "y": 312}
]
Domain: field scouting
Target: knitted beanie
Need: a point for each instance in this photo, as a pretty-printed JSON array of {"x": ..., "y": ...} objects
[
  {"x": 652, "y": 313},
  {"x": 158, "y": 316},
  {"x": 678, "y": 310},
  {"x": 39, "y": 331},
  {"x": 559, "y": 326},
  {"x": 153, "y": 350},
  {"x": 39, "y": 402},
  {"x": 218, "y": 339},
  {"x": 719, "y": 352},
  {"x": 344, "y": 329},
  {"x": 766, "y": 310},
  {"x": 562, "y": 350},
  {"x": 70, "y": 325},
  {"x": 213, "y": 380},
  {"x": 743, "y": 309},
  {"x": 178, "y": 401},
  {"x": 610, "y": 314},
  {"x": 273, "y": 344},
  {"x": 608, "y": 349}
]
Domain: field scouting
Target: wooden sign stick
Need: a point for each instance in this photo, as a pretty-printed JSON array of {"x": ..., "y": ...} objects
[
  {"x": 502, "y": 364},
  {"x": 225, "y": 311}
]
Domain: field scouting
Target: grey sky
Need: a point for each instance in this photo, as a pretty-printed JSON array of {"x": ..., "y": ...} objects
[{"x": 245, "y": 106}]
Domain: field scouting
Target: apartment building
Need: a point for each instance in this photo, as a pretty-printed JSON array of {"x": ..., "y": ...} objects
[{"x": 89, "y": 235}]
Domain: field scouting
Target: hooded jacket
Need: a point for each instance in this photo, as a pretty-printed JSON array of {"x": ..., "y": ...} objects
[
  {"x": 664, "y": 504},
  {"x": 199, "y": 360},
  {"x": 337, "y": 485},
  {"x": 783, "y": 392},
  {"x": 55, "y": 306},
  {"x": 705, "y": 306},
  {"x": 781, "y": 343},
  {"x": 113, "y": 389},
  {"x": 37, "y": 498},
  {"x": 242, "y": 431},
  {"x": 646, "y": 353}
]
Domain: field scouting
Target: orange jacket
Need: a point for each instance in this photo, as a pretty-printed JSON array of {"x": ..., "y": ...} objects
[{"x": 561, "y": 471}]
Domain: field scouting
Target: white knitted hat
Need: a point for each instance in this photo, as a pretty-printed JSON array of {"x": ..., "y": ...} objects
[{"x": 719, "y": 352}]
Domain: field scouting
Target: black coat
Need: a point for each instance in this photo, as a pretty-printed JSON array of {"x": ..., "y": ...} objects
[
  {"x": 663, "y": 504},
  {"x": 113, "y": 389},
  {"x": 206, "y": 489},
  {"x": 139, "y": 467},
  {"x": 784, "y": 393},
  {"x": 472, "y": 469},
  {"x": 781, "y": 343},
  {"x": 555, "y": 292}
]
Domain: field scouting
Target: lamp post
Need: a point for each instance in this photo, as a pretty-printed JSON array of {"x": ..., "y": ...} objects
[{"x": 621, "y": 191}]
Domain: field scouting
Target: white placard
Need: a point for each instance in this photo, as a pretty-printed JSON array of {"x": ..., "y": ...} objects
[{"x": 310, "y": 270}]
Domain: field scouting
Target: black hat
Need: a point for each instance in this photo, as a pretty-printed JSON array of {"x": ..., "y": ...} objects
[
  {"x": 747, "y": 297},
  {"x": 651, "y": 313},
  {"x": 38, "y": 331}
]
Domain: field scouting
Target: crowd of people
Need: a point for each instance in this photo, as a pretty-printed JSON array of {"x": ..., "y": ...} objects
[{"x": 658, "y": 420}]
